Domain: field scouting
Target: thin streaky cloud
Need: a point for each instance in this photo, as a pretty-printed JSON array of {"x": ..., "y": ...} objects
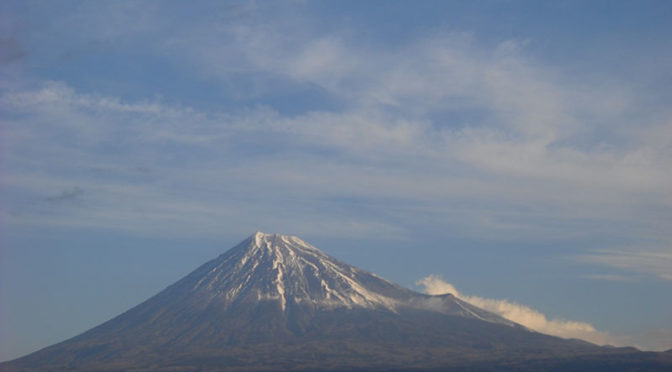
[
  {"x": 374, "y": 155},
  {"x": 610, "y": 277},
  {"x": 66, "y": 195},
  {"x": 656, "y": 263}
]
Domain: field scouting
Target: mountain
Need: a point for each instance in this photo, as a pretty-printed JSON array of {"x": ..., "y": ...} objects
[{"x": 275, "y": 302}]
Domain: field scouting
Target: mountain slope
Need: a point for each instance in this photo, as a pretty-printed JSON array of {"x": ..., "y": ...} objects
[{"x": 274, "y": 302}]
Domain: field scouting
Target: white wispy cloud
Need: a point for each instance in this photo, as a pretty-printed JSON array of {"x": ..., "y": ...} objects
[
  {"x": 440, "y": 130},
  {"x": 374, "y": 155},
  {"x": 658, "y": 340},
  {"x": 657, "y": 263},
  {"x": 609, "y": 277},
  {"x": 521, "y": 314}
]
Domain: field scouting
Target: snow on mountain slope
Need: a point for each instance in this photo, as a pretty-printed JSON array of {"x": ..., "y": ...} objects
[{"x": 286, "y": 269}]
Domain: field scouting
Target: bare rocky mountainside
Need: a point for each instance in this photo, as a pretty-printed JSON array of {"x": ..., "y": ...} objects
[{"x": 274, "y": 302}]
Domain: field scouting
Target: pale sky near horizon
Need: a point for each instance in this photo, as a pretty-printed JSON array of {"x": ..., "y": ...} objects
[{"x": 520, "y": 151}]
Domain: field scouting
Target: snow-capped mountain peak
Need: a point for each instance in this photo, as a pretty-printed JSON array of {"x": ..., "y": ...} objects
[
  {"x": 285, "y": 273},
  {"x": 285, "y": 268},
  {"x": 271, "y": 241}
]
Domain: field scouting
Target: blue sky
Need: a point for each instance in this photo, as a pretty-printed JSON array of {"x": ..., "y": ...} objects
[{"x": 520, "y": 151}]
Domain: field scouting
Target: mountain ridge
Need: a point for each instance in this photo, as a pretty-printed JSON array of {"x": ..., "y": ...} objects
[{"x": 275, "y": 302}]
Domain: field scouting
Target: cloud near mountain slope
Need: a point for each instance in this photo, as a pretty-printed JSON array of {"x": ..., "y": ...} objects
[{"x": 522, "y": 314}]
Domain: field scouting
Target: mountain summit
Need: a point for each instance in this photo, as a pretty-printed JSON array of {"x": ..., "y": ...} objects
[
  {"x": 291, "y": 273},
  {"x": 275, "y": 302}
]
